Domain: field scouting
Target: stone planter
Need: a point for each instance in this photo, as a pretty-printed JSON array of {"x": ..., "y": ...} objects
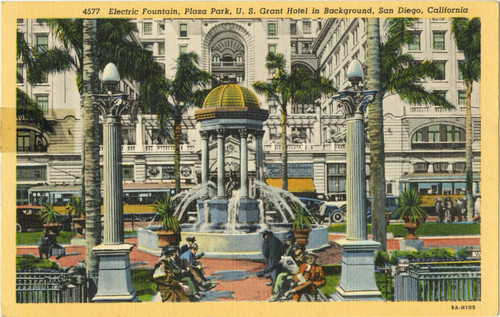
[
  {"x": 411, "y": 227},
  {"x": 53, "y": 228},
  {"x": 167, "y": 238},
  {"x": 301, "y": 236}
]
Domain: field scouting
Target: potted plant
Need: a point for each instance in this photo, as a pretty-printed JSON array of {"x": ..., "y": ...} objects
[
  {"x": 410, "y": 211},
  {"x": 170, "y": 233},
  {"x": 75, "y": 207},
  {"x": 301, "y": 224},
  {"x": 49, "y": 218}
]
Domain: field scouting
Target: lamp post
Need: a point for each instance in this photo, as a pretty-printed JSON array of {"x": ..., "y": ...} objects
[
  {"x": 357, "y": 279},
  {"x": 114, "y": 279}
]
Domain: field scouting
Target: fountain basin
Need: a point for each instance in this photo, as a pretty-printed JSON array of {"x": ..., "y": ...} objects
[{"x": 238, "y": 245}]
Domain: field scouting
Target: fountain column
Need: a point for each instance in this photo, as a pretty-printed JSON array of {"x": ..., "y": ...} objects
[
  {"x": 204, "y": 160},
  {"x": 259, "y": 156},
  {"x": 243, "y": 163},
  {"x": 220, "y": 165}
]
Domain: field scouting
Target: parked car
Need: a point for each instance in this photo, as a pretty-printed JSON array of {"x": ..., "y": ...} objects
[
  {"x": 312, "y": 204},
  {"x": 331, "y": 210},
  {"x": 28, "y": 218}
]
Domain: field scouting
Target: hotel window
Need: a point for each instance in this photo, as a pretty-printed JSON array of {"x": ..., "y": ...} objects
[
  {"x": 415, "y": 42},
  {"x": 161, "y": 48},
  {"x": 336, "y": 177},
  {"x": 305, "y": 48},
  {"x": 433, "y": 133},
  {"x": 271, "y": 29},
  {"x": 20, "y": 21},
  {"x": 453, "y": 133},
  {"x": 346, "y": 49},
  {"x": 438, "y": 41},
  {"x": 31, "y": 173},
  {"x": 128, "y": 172},
  {"x": 293, "y": 27},
  {"x": 461, "y": 97},
  {"x": 306, "y": 26},
  {"x": 183, "y": 32},
  {"x": 216, "y": 59},
  {"x": 43, "y": 102},
  {"x": 41, "y": 21},
  {"x": 161, "y": 28},
  {"x": 271, "y": 48},
  {"x": 42, "y": 43},
  {"x": 147, "y": 28},
  {"x": 442, "y": 70},
  {"x": 294, "y": 47},
  {"x": 183, "y": 49},
  {"x": 355, "y": 36},
  {"x": 19, "y": 74},
  {"x": 273, "y": 133},
  {"x": 239, "y": 59}
]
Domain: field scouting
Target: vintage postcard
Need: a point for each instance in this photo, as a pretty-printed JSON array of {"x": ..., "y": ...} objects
[{"x": 237, "y": 158}]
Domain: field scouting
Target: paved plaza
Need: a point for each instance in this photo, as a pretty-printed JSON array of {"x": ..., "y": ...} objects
[{"x": 236, "y": 278}]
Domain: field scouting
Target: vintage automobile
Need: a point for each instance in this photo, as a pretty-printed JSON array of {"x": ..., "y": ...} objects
[
  {"x": 331, "y": 211},
  {"x": 28, "y": 218}
]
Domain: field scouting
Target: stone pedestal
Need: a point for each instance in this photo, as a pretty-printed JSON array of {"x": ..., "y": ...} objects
[
  {"x": 249, "y": 211},
  {"x": 218, "y": 211},
  {"x": 357, "y": 281},
  {"x": 408, "y": 245},
  {"x": 115, "y": 281}
]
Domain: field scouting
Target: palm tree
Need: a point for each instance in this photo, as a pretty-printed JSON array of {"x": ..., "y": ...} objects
[
  {"x": 399, "y": 74},
  {"x": 298, "y": 86},
  {"x": 188, "y": 88},
  {"x": 376, "y": 134},
  {"x": 90, "y": 149},
  {"x": 468, "y": 38}
]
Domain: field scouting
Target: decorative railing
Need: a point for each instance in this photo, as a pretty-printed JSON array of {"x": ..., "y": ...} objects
[
  {"x": 51, "y": 286},
  {"x": 445, "y": 282}
]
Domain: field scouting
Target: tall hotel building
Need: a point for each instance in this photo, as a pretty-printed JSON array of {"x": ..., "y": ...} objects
[{"x": 422, "y": 143}]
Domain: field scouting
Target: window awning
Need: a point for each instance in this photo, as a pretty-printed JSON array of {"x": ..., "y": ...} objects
[{"x": 294, "y": 184}]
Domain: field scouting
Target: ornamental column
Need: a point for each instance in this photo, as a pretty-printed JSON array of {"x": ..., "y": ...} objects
[
  {"x": 205, "y": 160},
  {"x": 243, "y": 163},
  {"x": 220, "y": 165},
  {"x": 114, "y": 281},
  {"x": 112, "y": 179},
  {"x": 357, "y": 278}
]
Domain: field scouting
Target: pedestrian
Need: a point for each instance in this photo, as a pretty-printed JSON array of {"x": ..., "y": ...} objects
[
  {"x": 448, "y": 209},
  {"x": 189, "y": 240},
  {"x": 170, "y": 289},
  {"x": 439, "y": 209},
  {"x": 457, "y": 210},
  {"x": 464, "y": 208},
  {"x": 309, "y": 278},
  {"x": 272, "y": 250},
  {"x": 196, "y": 268},
  {"x": 284, "y": 279},
  {"x": 181, "y": 273},
  {"x": 477, "y": 209}
]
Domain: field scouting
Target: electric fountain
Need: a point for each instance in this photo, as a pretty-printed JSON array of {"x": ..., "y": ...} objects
[{"x": 230, "y": 222}]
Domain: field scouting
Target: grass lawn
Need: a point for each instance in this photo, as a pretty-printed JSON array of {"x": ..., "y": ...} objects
[
  {"x": 29, "y": 261},
  {"x": 425, "y": 229},
  {"x": 64, "y": 238},
  {"x": 33, "y": 237},
  {"x": 142, "y": 281}
]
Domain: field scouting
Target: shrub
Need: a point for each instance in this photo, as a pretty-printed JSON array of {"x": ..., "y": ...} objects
[{"x": 381, "y": 258}]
